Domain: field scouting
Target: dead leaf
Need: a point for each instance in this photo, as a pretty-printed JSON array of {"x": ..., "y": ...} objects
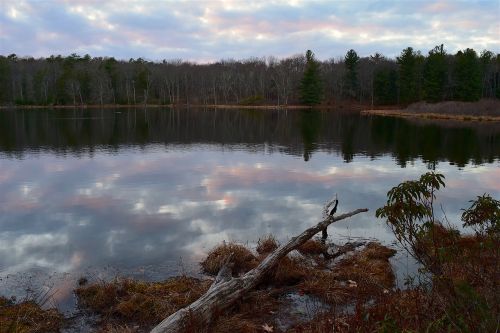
[
  {"x": 352, "y": 284},
  {"x": 267, "y": 328}
]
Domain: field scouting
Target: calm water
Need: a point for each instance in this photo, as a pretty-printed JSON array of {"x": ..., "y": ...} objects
[{"x": 147, "y": 193}]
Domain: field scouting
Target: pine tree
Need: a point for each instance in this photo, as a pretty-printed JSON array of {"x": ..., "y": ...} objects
[
  {"x": 435, "y": 74},
  {"x": 4, "y": 80},
  {"x": 385, "y": 86},
  {"x": 311, "y": 87},
  {"x": 409, "y": 80},
  {"x": 351, "y": 61},
  {"x": 467, "y": 76},
  {"x": 496, "y": 78}
]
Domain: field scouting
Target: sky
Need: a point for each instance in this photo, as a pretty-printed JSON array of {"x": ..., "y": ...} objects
[{"x": 207, "y": 31}]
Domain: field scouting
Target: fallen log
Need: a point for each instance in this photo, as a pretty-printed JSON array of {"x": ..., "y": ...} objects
[{"x": 225, "y": 290}]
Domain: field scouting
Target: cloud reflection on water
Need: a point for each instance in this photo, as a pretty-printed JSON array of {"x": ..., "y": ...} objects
[{"x": 136, "y": 209}]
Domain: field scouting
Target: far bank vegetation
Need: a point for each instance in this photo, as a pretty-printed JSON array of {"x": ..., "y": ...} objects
[{"x": 81, "y": 80}]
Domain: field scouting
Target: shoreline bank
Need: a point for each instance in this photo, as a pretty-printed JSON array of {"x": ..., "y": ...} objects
[
  {"x": 356, "y": 107},
  {"x": 135, "y": 106},
  {"x": 433, "y": 116}
]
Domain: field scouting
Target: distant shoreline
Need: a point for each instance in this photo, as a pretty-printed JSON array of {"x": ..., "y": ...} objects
[
  {"x": 482, "y": 110},
  {"x": 211, "y": 106},
  {"x": 124, "y": 106},
  {"x": 433, "y": 116}
]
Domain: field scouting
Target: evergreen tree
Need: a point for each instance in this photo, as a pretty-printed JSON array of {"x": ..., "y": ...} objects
[
  {"x": 4, "y": 80},
  {"x": 435, "y": 75},
  {"x": 311, "y": 87},
  {"x": 409, "y": 75},
  {"x": 385, "y": 86},
  {"x": 467, "y": 76},
  {"x": 496, "y": 77},
  {"x": 351, "y": 61}
]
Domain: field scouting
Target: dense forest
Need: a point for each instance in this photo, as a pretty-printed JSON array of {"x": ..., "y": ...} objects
[{"x": 300, "y": 79}]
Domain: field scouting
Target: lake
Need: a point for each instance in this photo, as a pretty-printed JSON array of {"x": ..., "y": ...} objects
[{"x": 146, "y": 193}]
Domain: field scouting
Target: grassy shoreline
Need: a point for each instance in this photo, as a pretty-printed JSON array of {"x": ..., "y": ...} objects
[
  {"x": 483, "y": 110},
  {"x": 339, "y": 291},
  {"x": 433, "y": 116}
]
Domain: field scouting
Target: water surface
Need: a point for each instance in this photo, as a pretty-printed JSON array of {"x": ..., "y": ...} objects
[{"x": 147, "y": 192}]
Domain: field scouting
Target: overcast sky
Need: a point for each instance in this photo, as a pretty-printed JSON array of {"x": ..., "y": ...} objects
[{"x": 211, "y": 30}]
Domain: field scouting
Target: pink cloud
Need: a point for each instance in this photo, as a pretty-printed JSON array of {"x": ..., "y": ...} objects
[
  {"x": 439, "y": 7},
  {"x": 248, "y": 176}
]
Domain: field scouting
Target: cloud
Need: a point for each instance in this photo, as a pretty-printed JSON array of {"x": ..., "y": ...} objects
[{"x": 211, "y": 30}]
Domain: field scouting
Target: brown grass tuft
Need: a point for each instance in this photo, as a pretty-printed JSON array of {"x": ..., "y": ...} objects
[
  {"x": 375, "y": 250},
  {"x": 326, "y": 286},
  {"x": 369, "y": 268},
  {"x": 267, "y": 245},
  {"x": 145, "y": 303},
  {"x": 360, "y": 276},
  {"x": 249, "y": 314},
  {"x": 28, "y": 317},
  {"x": 243, "y": 260},
  {"x": 312, "y": 247},
  {"x": 235, "y": 323},
  {"x": 289, "y": 271}
]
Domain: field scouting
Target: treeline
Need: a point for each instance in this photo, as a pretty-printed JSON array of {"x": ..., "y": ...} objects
[{"x": 378, "y": 80}]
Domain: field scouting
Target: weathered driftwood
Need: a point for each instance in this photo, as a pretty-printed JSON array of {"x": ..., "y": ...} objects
[{"x": 225, "y": 290}]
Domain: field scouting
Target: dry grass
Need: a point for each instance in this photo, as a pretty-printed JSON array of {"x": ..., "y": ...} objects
[
  {"x": 469, "y": 259},
  {"x": 313, "y": 247},
  {"x": 399, "y": 311},
  {"x": 249, "y": 314},
  {"x": 363, "y": 280},
  {"x": 266, "y": 245},
  {"x": 359, "y": 277},
  {"x": 289, "y": 271},
  {"x": 483, "y": 110},
  {"x": 431, "y": 116},
  {"x": 326, "y": 286},
  {"x": 27, "y": 317},
  {"x": 463, "y": 297},
  {"x": 143, "y": 303},
  {"x": 483, "y": 107},
  {"x": 126, "y": 302},
  {"x": 369, "y": 269},
  {"x": 243, "y": 259}
]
